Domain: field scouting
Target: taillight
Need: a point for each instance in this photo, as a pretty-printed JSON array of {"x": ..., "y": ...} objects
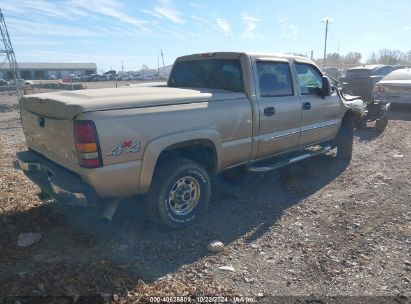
[{"x": 87, "y": 146}]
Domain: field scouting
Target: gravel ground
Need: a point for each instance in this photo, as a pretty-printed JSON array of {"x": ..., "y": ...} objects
[{"x": 321, "y": 227}]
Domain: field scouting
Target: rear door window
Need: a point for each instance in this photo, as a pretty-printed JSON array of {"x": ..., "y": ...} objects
[{"x": 274, "y": 79}]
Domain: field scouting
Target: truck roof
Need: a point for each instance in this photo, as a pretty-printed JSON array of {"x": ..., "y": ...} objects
[{"x": 229, "y": 55}]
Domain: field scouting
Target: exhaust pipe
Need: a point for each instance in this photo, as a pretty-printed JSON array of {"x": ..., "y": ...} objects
[{"x": 109, "y": 211}]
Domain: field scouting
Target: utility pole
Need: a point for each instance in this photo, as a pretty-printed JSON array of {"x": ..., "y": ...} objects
[
  {"x": 312, "y": 55},
  {"x": 162, "y": 56},
  {"x": 338, "y": 56},
  {"x": 122, "y": 66},
  {"x": 325, "y": 41}
]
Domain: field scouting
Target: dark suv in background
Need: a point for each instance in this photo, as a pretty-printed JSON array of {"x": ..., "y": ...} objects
[{"x": 360, "y": 81}]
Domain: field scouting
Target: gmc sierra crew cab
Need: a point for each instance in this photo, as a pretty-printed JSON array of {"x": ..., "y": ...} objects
[{"x": 218, "y": 111}]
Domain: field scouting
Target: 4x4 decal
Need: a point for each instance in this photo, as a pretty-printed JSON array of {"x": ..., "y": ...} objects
[{"x": 127, "y": 146}]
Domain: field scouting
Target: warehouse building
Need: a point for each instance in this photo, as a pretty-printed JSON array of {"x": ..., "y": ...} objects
[{"x": 39, "y": 70}]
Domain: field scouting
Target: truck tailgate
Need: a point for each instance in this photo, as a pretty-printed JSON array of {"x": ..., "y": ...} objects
[{"x": 50, "y": 136}]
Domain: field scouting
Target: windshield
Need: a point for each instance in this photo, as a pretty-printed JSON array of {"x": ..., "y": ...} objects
[{"x": 224, "y": 74}]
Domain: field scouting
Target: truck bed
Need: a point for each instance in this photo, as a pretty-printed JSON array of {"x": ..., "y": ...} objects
[{"x": 68, "y": 104}]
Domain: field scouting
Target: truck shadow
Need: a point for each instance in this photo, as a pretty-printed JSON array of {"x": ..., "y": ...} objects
[
  {"x": 134, "y": 249},
  {"x": 367, "y": 134}
]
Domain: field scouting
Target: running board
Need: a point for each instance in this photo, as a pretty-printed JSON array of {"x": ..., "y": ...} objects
[{"x": 278, "y": 163}]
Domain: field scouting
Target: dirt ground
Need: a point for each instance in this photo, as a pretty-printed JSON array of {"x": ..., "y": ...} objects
[{"x": 321, "y": 227}]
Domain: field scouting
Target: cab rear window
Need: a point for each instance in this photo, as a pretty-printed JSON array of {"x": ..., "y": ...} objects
[{"x": 223, "y": 74}]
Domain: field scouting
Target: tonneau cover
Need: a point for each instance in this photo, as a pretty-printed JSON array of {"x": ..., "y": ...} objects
[{"x": 68, "y": 104}]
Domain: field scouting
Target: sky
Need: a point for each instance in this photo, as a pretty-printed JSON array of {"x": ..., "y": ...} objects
[{"x": 130, "y": 33}]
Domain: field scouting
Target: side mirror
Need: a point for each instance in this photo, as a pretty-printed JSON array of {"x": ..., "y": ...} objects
[{"x": 326, "y": 87}]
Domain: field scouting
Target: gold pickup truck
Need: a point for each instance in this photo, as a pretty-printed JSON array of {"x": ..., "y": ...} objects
[{"x": 218, "y": 111}]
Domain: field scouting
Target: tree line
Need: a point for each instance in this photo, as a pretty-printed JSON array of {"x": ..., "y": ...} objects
[{"x": 383, "y": 56}]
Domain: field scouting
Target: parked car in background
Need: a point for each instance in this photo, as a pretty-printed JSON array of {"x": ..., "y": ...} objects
[
  {"x": 360, "y": 81},
  {"x": 92, "y": 77},
  {"x": 74, "y": 78},
  {"x": 331, "y": 71},
  {"x": 22, "y": 82},
  {"x": 125, "y": 77},
  {"x": 84, "y": 77},
  {"x": 102, "y": 78},
  {"x": 139, "y": 77},
  {"x": 4, "y": 82},
  {"x": 394, "y": 88},
  {"x": 150, "y": 77}
]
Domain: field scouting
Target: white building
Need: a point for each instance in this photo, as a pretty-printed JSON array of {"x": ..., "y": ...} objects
[{"x": 47, "y": 70}]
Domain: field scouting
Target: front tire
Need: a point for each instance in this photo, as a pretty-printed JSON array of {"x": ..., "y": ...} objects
[
  {"x": 380, "y": 124},
  {"x": 345, "y": 139},
  {"x": 179, "y": 193}
]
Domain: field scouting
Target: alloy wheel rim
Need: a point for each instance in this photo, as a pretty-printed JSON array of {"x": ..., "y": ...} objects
[{"x": 184, "y": 195}]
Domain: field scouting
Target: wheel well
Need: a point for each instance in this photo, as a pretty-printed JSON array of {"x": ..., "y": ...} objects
[
  {"x": 349, "y": 119},
  {"x": 200, "y": 151},
  {"x": 349, "y": 116}
]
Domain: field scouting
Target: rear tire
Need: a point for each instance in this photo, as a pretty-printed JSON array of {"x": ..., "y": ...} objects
[
  {"x": 380, "y": 124},
  {"x": 345, "y": 139},
  {"x": 179, "y": 193}
]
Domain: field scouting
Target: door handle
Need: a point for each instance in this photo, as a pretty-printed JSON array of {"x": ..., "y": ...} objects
[
  {"x": 306, "y": 105},
  {"x": 269, "y": 111}
]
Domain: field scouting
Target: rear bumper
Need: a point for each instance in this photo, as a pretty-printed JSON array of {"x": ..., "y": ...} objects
[{"x": 55, "y": 180}]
